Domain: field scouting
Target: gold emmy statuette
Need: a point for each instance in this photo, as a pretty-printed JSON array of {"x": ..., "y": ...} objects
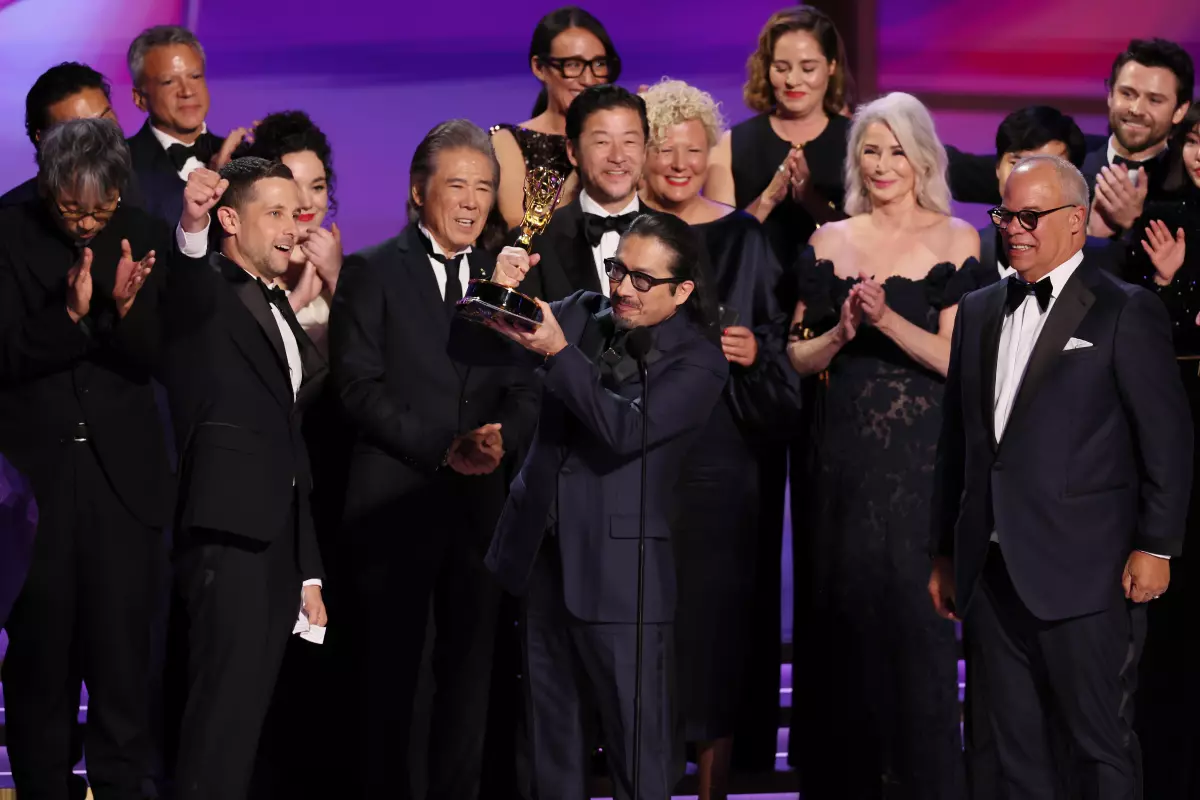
[{"x": 484, "y": 299}]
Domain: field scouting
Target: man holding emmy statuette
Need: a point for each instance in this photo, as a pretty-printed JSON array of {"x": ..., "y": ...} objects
[
  {"x": 569, "y": 538},
  {"x": 607, "y": 132},
  {"x": 426, "y": 480}
]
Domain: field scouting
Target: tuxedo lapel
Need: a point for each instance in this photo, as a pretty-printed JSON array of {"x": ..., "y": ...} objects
[
  {"x": 574, "y": 253},
  {"x": 1069, "y": 310},
  {"x": 250, "y": 298},
  {"x": 596, "y": 330},
  {"x": 993, "y": 316},
  {"x": 422, "y": 283}
]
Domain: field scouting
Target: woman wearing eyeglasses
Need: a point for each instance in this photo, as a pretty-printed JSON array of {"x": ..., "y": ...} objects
[
  {"x": 716, "y": 531},
  {"x": 570, "y": 51},
  {"x": 876, "y": 713}
]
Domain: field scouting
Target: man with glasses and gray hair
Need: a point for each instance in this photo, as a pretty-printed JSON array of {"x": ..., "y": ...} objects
[
  {"x": 167, "y": 67},
  {"x": 78, "y": 336},
  {"x": 1063, "y": 479}
]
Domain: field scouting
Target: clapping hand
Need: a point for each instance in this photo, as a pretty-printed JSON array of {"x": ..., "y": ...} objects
[
  {"x": 477, "y": 452},
  {"x": 1118, "y": 198},
  {"x": 871, "y": 298},
  {"x": 799, "y": 173},
  {"x": 79, "y": 286},
  {"x": 323, "y": 249},
  {"x": 225, "y": 154},
  {"x": 850, "y": 319},
  {"x": 1166, "y": 251},
  {"x": 131, "y": 275}
]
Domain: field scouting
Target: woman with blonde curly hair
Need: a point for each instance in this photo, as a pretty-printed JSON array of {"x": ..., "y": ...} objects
[
  {"x": 877, "y": 715},
  {"x": 716, "y": 530},
  {"x": 784, "y": 165}
]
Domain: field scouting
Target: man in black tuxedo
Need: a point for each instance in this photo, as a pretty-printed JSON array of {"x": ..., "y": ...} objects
[
  {"x": 607, "y": 133},
  {"x": 167, "y": 67},
  {"x": 568, "y": 537},
  {"x": 1063, "y": 479},
  {"x": 64, "y": 92},
  {"x": 78, "y": 343},
  {"x": 1149, "y": 92},
  {"x": 240, "y": 370},
  {"x": 426, "y": 482}
]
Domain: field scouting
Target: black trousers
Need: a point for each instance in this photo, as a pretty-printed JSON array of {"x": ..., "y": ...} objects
[
  {"x": 83, "y": 615},
  {"x": 241, "y": 598},
  {"x": 1072, "y": 679},
  {"x": 395, "y": 578},
  {"x": 575, "y": 668}
]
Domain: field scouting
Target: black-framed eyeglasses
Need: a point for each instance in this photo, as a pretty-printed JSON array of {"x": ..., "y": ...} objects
[
  {"x": 99, "y": 214},
  {"x": 574, "y": 67},
  {"x": 616, "y": 270},
  {"x": 1028, "y": 218}
]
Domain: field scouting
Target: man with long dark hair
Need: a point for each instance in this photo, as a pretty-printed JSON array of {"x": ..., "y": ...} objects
[{"x": 568, "y": 537}]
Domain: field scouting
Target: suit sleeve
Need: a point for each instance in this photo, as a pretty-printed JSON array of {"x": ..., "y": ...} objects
[
  {"x": 358, "y": 361},
  {"x": 37, "y": 344},
  {"x": 950, "y": 465},
  {"x": 1153, "y": 395},
  {"x": 681, "y": 399},
  {"x": 972, "y": 177}
]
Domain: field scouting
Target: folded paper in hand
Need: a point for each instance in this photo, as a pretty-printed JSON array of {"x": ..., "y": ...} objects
[{"x": 312, "y": 633}]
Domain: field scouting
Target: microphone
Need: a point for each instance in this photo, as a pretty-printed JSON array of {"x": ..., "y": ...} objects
[{"x": 638, "y": 344}]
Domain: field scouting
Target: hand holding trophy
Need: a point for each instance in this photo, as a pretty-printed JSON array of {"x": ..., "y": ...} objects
[{"x": 485, "y": 299}]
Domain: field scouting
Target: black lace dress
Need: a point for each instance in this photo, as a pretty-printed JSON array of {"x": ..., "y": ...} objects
[
  {"x": 875, "y": 703},
  {"x": 540, "y": 149}
]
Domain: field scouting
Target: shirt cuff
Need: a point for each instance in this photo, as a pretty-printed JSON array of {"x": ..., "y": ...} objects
[
  {"x": 1156, "y": 555},
  {"x": 192, "y": 245},
  {"x": 312, "y": 582}
]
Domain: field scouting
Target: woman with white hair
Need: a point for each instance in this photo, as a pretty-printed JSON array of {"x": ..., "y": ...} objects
[
  {"x": 716, "y": 530},
  {"x": 877, "y": 711}
]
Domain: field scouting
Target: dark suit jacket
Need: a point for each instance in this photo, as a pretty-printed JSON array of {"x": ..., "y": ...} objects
[
  {"x": 1098, "y": 254},
  {"x": 567, "y": 265},
  {"x": 55, "y": 373},
  {"x": 1096, "y": 458},
  {"x": 587, "y": 452},
  {"x": 406, "y": 398},
  {"x": 243, "y": 462},
  {"x": 158, "y": 180}
]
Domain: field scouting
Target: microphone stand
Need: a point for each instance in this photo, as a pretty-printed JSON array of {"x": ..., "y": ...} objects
[{"x": 641, "y": 589}]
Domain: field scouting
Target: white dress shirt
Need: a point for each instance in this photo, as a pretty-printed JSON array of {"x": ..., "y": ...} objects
[
  {"x": 439, "y": 269},
  {"x": 166, "y": 140},
  {"x": 609, "y": 241},
  {"x": 1019, "y": 332}
]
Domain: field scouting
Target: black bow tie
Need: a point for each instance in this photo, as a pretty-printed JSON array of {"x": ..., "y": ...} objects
[
  {"x": 180, "y": 153},
  {"x": 1131, "y": 165},
  {"x": 595, "y": 226},
  {"x": 1018, "y": 290}
]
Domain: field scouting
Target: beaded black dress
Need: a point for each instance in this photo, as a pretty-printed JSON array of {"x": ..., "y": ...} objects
[
  {"x": 875, "y": 698},
  {"x": 540, "y": 149}
]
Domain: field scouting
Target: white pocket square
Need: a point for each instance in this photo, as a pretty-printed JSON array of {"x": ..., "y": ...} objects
[{"x": 1076, "y": 344}]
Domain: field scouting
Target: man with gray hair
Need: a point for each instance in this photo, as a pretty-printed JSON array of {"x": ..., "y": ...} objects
[
  {"x": 78, "y": 341},
  {"x": 167, "y": 67},
  {"x": 1063, "y": 481}
]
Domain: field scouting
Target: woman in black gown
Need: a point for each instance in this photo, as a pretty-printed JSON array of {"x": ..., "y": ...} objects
[
  {"x": 875, "y": 701},
  {"x": 1164, "y": 256},
  {"x": 716, "y": 529},
  {"x": 783, "y": 166},
  {"x": 570, "y": 51}
]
